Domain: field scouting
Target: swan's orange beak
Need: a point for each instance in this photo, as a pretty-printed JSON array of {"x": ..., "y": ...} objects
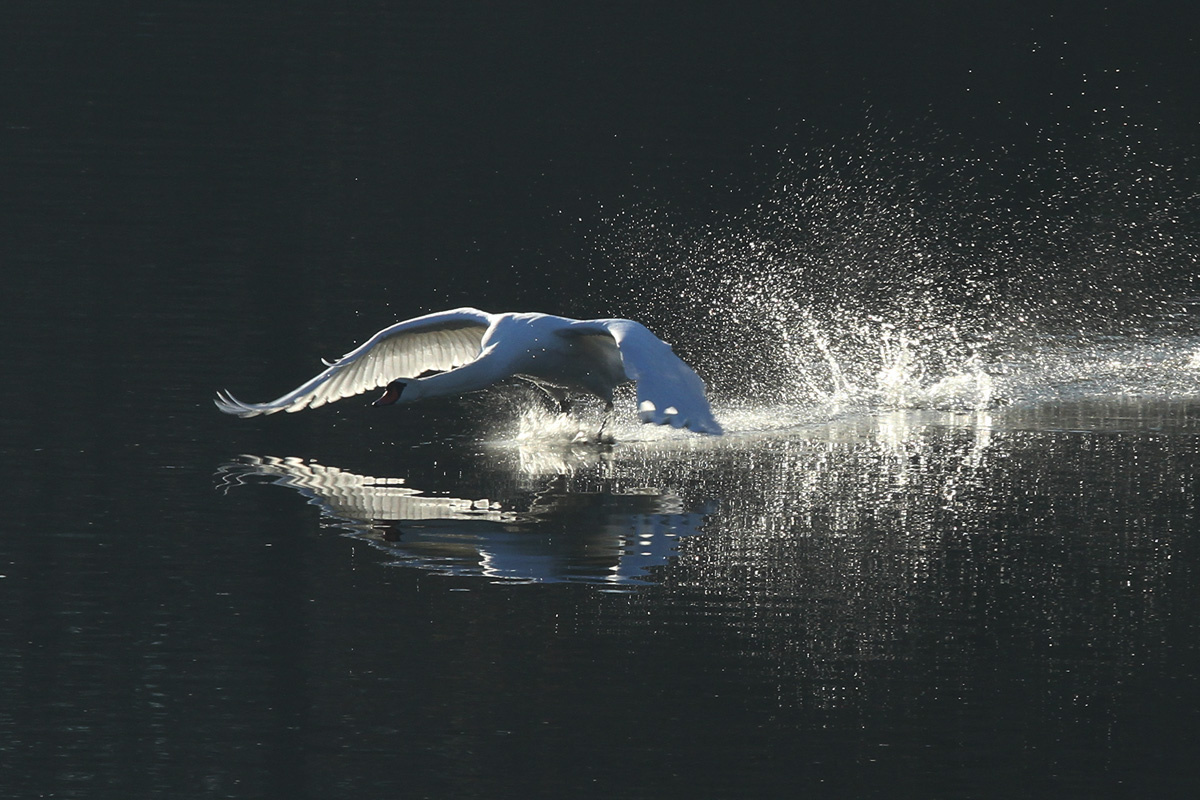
[{"x": 390, "y": 394}]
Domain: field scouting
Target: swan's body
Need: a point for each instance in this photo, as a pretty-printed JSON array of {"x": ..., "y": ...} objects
[{"x": 467, "y": 350}]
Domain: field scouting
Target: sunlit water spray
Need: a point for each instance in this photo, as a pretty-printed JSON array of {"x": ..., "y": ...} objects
[{"x": 874, "y": 274}]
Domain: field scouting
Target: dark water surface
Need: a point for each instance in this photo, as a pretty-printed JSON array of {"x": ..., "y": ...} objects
[
  {"x": 929, "y": 603},
  {"x": 986, "y": 590}
]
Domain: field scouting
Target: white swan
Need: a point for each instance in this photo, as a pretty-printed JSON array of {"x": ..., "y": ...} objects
[{"x": 466, "y": 350}]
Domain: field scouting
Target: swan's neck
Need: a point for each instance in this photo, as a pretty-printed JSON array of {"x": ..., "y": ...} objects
[{"x": 473, "y": 377}]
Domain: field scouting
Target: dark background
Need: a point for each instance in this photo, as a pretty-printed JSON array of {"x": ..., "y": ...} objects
[
  {"x": 196, "y": 195},
  {"x": 439, "y": 153},
  {"x": 279, "y": 160},
  {"x": 280, "y": 180}
]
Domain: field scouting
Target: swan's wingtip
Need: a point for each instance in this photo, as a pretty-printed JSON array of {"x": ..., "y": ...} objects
[
  {"x": 709, "y": 427},
  {"x": 229, "y": 404},
  {"x": 649, "y": 414}
]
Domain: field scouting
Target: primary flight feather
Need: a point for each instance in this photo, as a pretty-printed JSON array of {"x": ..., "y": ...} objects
[{"x": 467, "y": 350}]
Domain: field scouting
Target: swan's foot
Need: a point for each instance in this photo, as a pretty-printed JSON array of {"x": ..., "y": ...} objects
[
  {"x": 600, "y": 439},
  {"x": 559, "y": 399},
  {"x": 601, "y": 436}
]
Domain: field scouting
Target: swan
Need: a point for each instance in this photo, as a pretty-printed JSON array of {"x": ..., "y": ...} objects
[{"x": 467, "y": 350}]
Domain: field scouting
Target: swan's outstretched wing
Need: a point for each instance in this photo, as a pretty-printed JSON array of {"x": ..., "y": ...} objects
[
  {"x": 669, "y": 392},
  {"x": 433, "y": 343}
]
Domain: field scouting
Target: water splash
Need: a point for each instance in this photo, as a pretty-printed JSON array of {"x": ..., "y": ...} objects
[
  {"x": 538, "y": 425},
  {"x": 586, "y": 427},
  {"x": 888, "y": 272}
]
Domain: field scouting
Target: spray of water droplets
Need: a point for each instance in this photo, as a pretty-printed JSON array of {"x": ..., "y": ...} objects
[{"x": 878, "y": 272}]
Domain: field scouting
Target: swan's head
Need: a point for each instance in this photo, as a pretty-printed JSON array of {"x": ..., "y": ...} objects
[{"x": 394, "y": 392}]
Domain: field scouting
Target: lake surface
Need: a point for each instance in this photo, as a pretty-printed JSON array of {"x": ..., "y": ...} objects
[
  {"x": 978, "y": 604},
  {"x": 947, "y": 548}
]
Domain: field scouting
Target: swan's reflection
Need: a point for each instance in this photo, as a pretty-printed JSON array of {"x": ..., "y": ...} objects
[
  {"x": 847, "y": 561},
  {"x": 612, "y": 536}
]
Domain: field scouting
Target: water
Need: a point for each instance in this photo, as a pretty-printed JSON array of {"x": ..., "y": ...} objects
[
  {"x": 946, "y": 549},
  {"x": 912, "y": 601}
]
